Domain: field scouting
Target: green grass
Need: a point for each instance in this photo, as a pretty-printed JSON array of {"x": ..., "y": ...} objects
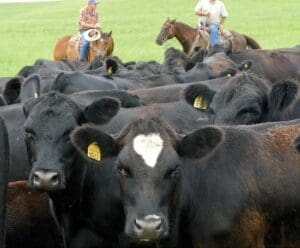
[{"x": 29, "y": 31}]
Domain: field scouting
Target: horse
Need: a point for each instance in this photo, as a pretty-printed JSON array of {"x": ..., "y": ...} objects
[
  {"x": 190, "y": 38},
  {"x": 67, "y": 47}
]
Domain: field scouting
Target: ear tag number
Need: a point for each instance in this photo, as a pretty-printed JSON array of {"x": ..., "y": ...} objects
[
  {"x": 200, "y": 103},
  {"x": 94, "y": 151}
]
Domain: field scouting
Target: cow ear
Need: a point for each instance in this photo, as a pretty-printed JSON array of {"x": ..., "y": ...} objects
[
  {"x": 199, "y": 96},
  {"x": 93, "y": 144},
  {"x": 31, "y": 88},
  {"x": 282, "y": 95},
  {"x": 201, "y": 142},
  {"x": 245, "y": 65},
  {"x": 12, "y": 90},
  {"x": 102, "y": 111},
  {"x": 111, "y": 66}
]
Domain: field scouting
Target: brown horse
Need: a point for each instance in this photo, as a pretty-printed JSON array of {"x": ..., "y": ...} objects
[
  {"x": 66, "y": 49},
  {"x": 190, "y": 37}
]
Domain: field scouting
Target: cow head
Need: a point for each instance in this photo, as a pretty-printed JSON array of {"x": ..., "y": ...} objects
[
  {"x": 50, "y": 119},
  {"x": 148, "y": 163},
  {"x": 243, "y": 100}
]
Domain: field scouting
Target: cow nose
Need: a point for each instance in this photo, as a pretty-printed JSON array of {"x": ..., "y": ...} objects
[
  {"x": 46, "y": 180},
  {"x": 151, "y": 227}
]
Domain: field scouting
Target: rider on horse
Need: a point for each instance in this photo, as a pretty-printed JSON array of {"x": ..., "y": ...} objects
[
  {"x": 88, "y": 19},
  {"x": 212, "y": 15}
]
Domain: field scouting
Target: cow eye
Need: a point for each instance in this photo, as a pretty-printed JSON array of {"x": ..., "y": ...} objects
[
  {"x": 173, "y": 172},
  {"x": 250, "y": 111},
  {"x": 123, "y": 171}
]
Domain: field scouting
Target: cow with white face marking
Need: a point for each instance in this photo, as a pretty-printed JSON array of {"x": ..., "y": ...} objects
[
  {"x": 148, "y": 170},
  {"x": 204, "y": 189}
]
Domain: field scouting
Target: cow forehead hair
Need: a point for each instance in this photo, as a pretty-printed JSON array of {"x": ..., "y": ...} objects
[
  {"x": 148, "y": 126},
  {"x": 55, "y": 103},
  {"x": 237, "y": 85}
]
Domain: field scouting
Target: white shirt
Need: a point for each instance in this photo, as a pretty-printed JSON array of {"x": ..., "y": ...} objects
[{"x": 217, "y": 10}]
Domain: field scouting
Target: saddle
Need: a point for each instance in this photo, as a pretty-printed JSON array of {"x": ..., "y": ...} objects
[{"x": 76, "y": 41}]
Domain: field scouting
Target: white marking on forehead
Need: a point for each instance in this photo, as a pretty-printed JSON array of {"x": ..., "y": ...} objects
[
  {"x": 152, "y": 217},
  {"x": 148, "y": 147}
]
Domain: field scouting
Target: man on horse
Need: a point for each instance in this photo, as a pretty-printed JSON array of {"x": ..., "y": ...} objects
[
  {"x": 88, "y": 19},
  {"x": 212, "y": 15}
]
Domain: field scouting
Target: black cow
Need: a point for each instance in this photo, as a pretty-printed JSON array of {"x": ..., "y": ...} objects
[
  {"x": 126, "y": 99},
  {"x": 13, "y": 117},
  {"x": 247, "y": 99},
  {"x": 179, "y": 115},
  {"x": 216, "y": 187},
  {"x": 173, "y": 93},
  {"x": 85, "y": 198},
  {"x": 4, "y": 163},
  {"x": 275, "y": 65}
]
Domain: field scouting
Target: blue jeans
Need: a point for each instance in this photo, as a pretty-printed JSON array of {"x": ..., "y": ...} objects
[
  {"x": 214, "y": 34},
  {"x": 84, "y": 47}
]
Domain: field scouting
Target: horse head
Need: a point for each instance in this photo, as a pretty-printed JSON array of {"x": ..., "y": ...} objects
[
  {"x": 167, "y": 32},
  {"x": 103, "y": 46}
]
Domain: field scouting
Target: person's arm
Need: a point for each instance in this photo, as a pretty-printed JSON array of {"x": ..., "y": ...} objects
[
  {"x": 199, "y": 10},
  {"x": 224, "y": 15},
  {"x": 85, "y": 25}
]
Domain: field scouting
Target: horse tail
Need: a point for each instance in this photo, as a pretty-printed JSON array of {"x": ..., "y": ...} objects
[{"x": 251, "y": 42}]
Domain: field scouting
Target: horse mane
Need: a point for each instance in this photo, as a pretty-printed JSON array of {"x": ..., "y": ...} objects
[{"x": 184, "y": 26}]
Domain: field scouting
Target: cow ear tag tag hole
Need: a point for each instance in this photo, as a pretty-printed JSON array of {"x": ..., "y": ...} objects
[
  {"x": 94, "y": 151},
  {"x": 200, "y": 103}
]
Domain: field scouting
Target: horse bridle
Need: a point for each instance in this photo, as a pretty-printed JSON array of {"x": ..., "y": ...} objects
[{"x": 94, "y": 49}]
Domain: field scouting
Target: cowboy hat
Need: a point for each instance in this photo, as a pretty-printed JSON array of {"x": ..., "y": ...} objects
[{"x": 96, "y": 35}]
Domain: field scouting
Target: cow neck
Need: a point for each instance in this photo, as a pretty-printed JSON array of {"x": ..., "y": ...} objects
[{"x": 71, "y": 196}]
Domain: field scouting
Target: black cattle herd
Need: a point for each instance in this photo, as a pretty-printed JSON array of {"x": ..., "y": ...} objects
[{"x": 200, "y": 151}]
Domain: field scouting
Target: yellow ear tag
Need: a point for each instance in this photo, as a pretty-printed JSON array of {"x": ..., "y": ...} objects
[
  {"x": 228, "y": 75},
  {"x": 35, "y": 95},
  {"x": 109, "y": 70},
  {"x": 94, "y": 151},
  {"x": 200, "y": 103}
]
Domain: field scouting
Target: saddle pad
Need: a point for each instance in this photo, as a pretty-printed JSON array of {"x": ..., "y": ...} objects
[{"x": 75, "y": 39}]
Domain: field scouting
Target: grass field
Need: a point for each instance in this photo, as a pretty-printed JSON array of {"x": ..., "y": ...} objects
[{"x": 29, "y": 30}]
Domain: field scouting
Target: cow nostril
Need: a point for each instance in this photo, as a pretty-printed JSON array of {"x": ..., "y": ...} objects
[
  {"x": 54, "y": 180},
  {"x": 138, "y": 226},
  {"x": 36, "y": 179},
  {"x": 159, "y": 225}
]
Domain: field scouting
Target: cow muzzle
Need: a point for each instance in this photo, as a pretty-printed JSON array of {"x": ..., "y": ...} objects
[
  {"x": 46, "y": 180},
  {"x": 150, "y": 228}
]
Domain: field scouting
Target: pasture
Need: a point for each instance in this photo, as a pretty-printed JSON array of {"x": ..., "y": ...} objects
[{"x": 29, "y": 30}]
